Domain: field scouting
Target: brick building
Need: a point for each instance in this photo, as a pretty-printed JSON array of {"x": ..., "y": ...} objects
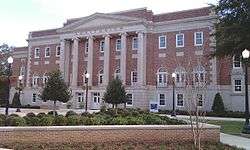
[{"x": 143, "y": 49}]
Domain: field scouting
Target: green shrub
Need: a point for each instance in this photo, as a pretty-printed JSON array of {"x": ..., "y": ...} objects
[
  {"x": 40, "y": 115},
  {"x": 87, "y": 114},
  {"x": 218, "y": 105},
  {"x": 16, "y": 101},
  {"x": 135, "y": 120},
  {"x": 2, "y": 121},
  {"x": 2, "y": 116},
  {"x": 152, "y": 119},
  {"x": 60, "y": 120},
  {"x": 15, "y": 121},
  {"x": 31, "y": 114},
  {"x": 101, "y": 119},
  {"x": 52, "y": 113},
  {"x": 70, "y": 113},
  {"x": 47, "y": 121},
  {"x": 32, "y": 121},
  {"x": 73, "y": 120},
  {"x": 13, "y": 115},
  {"x": 86, "y": 120},
  {"x": 119, "y": 121}
]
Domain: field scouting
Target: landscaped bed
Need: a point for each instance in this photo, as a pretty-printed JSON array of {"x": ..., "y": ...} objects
[{"x": 105, "y": 117}]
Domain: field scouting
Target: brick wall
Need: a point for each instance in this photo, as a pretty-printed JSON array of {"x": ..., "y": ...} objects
[{"x": 102, "y": 134}]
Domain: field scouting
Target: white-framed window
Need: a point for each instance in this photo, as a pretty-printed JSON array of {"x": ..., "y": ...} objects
[
  {"x": 101, "y": 75},
  {"x": 130, "y": 100},
  {"x": 96, "y": 97},
  {"x": 34, "y": 96},
  {"x": 35, "y": 80},
  {"x": 117, "y": 73},
  {"x": 45, "y": 79},
  {"x": 198, "y": 38},
  {"x": 37, "y": 53},
  {"x": 102, "y": 45},
  {"x": 180, "y": 40},
  {"x": 180, "y": 100},
  {"x": 236, "y": 61},
  {"x": 162, "y": 42},
  {"x": 199, "y": 74},
  {"x": 162, "y": 76},
  {"x": 118, "y": 44},
  {"x": 80, "y": 97},
  {"x": 47, "y": 52},
  {"x": 162, "y": 99},
  {"x": 22, "y": 71},
  {"x": 86, "y": 47},
  {"x": 58, "y": 51},
  {"x": 85, "y": 80},
  {"x": 180, "y": 75},
  {"x": 133, "y": 77},
  {"x": 237, "y": 86},
  {"x": 199, "y": 100},
  {"x": 135, "y": 43}
]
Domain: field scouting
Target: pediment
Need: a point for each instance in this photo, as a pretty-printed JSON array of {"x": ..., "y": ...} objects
[{"x": 98, "y": 20}]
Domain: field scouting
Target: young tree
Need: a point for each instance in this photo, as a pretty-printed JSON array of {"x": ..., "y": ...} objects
[
  {"x": 115, "y": 93},
  {"x": 218, "y": 105},
  {"x": 56, "y": 89},
  {"x": 4, "y": 54},
  {"x": 232, "y": 29}
]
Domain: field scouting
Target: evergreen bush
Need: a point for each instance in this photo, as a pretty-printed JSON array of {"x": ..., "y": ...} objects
[{"x": 218, "y": 105}]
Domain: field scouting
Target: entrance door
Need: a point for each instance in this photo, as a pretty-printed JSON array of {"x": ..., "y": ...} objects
[{"x": 96, "y": 100}]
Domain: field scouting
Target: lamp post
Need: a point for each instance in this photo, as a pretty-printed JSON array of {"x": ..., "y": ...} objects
[
  {"x": 10, "y": 61},
  {"x": 246, "y": 128},
  {"x": 173, "y": 111},
  {"x": 86, "y": 93},
  {"x": 19, "y": 92}
]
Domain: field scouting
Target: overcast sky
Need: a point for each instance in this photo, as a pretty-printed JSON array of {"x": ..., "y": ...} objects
[{"x": 19, "y": 17}]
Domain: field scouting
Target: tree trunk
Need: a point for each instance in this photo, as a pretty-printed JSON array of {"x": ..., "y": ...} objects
[
  {"x": 113, "y": 106},
  {"x": 54, "y": 109},
  {"x": 124, "y": 105},
  {"x": 116, "y": 109}
]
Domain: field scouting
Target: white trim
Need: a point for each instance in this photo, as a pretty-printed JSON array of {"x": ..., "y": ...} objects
[
  {"x": 234, "y": 62},
  {"x": 176, "y": 40},
  {"x": 45, "y": 52},
  {"x": 35, "y": 53},
  {"x": 133, "y": 42},
  {"x": 99, "y": 76},
  {"x": 58, "y": 46},
  {"x": 102, "y": 47},
  {"x": 202, "y": 38},
  {"x": 159, "y": 103},
  {"x": 237, "y": 85},
  {"x": 159, "y": 42},
  {"x": 131, "y": 76},
  {"x": 86, "y": 47},
  {"x": 176, "y": 100},
  {"x": 116, "y": 47}
]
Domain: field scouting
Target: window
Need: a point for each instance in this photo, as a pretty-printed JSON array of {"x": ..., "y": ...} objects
[
  {"x": 85, "y": 80},
  {"x": 198, "y": 38},
  {"x": 58, "y": 51},
  {"x": 102, "y": 43},
  {"x": 101, "y": 76},
  {"x": 118, "y": 45},
  {"x": 135, "y": 43},
  {"x": 162, "y": 42},
  {"x": 199, "y": 74},
  {"x": 35, "y": 80},
  {"x": 34, "y": 97},
  {"x": 134, "y": 77},
  {"x": 80, "y": 97},
  {"x": 162, "y": 77},
  {"x": 237, "y": 86},
  {"x": 236, "y": 61},
  {"x": 45, "y": 79},
  {"x": 86, "y": 47},
  {"x": 162, "y": 99},
  {"x": 47, "y": 52},
  {"x": 22, "y": 71},
  {"x": 199, "y": 100},
  {"x": 96, "y": 97},
  {"x": 180, "y": 100},
  {"x": 179, "y": 40},
  {"x": 37, "y": 53},
  {"x": 117, "y": 74},
  {"x": 130, "y": 100}
]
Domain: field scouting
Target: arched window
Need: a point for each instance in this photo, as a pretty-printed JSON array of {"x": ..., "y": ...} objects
[
  {"x": 117, "y": 73},
  {"x": 101, "y": 76},
  {"x": 35, "y": 80},
  {"x": 162, "y": 77},
  {"x": 180, "y": 75},
  {"x": 199, "y": 74}
]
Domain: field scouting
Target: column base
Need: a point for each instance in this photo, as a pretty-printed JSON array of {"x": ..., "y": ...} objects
[{"x": 246, "y": 129}]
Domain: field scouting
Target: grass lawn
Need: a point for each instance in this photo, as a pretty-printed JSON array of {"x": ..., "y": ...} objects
[{"x": 229, "y": 127}]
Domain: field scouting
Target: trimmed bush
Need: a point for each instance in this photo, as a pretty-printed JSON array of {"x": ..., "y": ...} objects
[
  {"x": 32, "y": 121},
  {"x": 40, "y": 115},
  {"x": 73, "y": 120},
  {"x": 152, "y": 119},
  {"x": 119, "y": 121},
  {"x": 218, "y": 105},
  {"x": 51, "y": 113},
  {"x": 2, "y": 121},
  {"x": 60, "y": 120},
  {"x": 13, "y": 115},
  {"x": 15, "y": 121},
  {"x": 135, "y": 120},
  {"x": 101, "y": 119},
  {"x": 87, "y": 114},
  {"x": 70, "y": 113},
  {"x": 47, "y": 121},
  {"x": 86, "y": 120},
  {"x": 31, "y": 114}
]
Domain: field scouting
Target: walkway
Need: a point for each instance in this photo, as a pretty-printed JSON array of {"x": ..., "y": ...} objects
[{"x": 233, "y": 140}]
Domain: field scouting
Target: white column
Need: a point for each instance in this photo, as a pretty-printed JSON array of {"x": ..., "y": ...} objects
[
  {"x": 62, "y": 57},
  {"x": 28, "y": 67},
  {"x": 90, "y": 59},
  {"x": 67, "y": 47},
  {"x": 74, "y": 63},
  {"x": 141, "y": 60},
  {"x": 106, "y": 59},
  {"x": 123, "y": 57}
]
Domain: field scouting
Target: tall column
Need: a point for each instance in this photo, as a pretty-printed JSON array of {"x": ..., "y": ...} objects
[
  {"x": 67, "y": 46},
  {"x": 123, "y": 57},
  {"x": 141, "y": 60},
  {"x": 28, "y": 67},
  {"x": 62, "y": 57},
  {"x": 90, "y": 59},
  {"x": 106, "y": 59},
  {"x": 75, "y": 63}
]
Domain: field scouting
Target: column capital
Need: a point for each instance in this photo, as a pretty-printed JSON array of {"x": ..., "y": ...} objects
[
  {"x": 123, "y": 34},
  {"x": 139, "y": 32},
  {"x": 90, "y": 37},
  {"x": 106, "y": 35}
]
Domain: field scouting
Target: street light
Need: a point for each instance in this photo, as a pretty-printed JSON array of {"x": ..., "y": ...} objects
[
  {"x": 87, "y": 75},
  {"x": 20, "y": 78},
  {"x": 173, "y": 111},
  {"x": 246, "y": 128},
  {"x": 10, "y": 61}
]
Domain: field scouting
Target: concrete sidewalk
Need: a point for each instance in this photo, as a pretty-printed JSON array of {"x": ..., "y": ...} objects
[{"x": 233, "y": 140}]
